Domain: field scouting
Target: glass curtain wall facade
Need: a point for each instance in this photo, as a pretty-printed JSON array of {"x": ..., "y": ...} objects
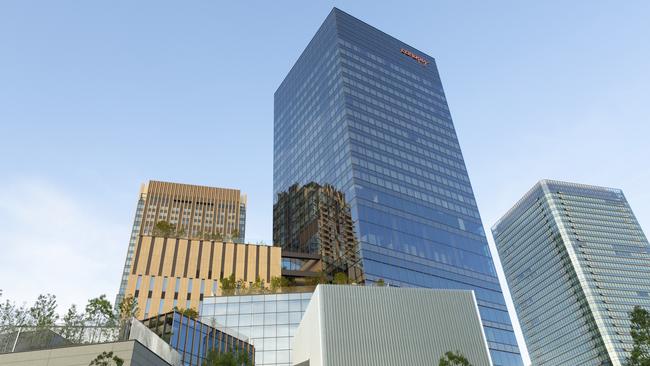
[
  {"x": 193, "y": 339},
  {"x": 576, "y": 261},
  {"x": 133, "y": 241},
  {"x": 316, "y": 219},
  {"x": 269, "y": 320},
  {"x": 367, "y": 113}
]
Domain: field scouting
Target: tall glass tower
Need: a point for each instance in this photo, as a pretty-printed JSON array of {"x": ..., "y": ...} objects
[
  {"x": 577, "y": 263},
  {"x": 367, "y": 113}
]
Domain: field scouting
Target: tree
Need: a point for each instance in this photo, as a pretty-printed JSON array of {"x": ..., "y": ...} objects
[
  {"x": 380, "y": 282},
  {"x": 164, "y": 229},
  {"x": 240, "y": 286},
  {"x": 99, "y": 313},
  {"x": 106, "y": 359},
  {"x": 12, "y": 315},
  {"x": 454, "y": 359},
  {"x": 189, "y": 312},
  {"x": 640, "y": 332},
  {"x": 258, "y": 286},
  {"x": 320, "y": 279},
  {"x": 278, "y": 283},
  {"x": 228, "y": 284},
  {"x": 43, "y": 313},
  {"x": 234, "y": 234},
  {"x": 73, "y": 325},
  {"x": 232, "y": 358},
  {"x": 128, "y": 308},
  {"x": 340, "y": 278}
]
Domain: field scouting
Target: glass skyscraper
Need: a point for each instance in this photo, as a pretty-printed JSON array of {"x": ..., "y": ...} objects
[
  {"x": 576, "y": 261},
  {"x": 367, "y": 113}
]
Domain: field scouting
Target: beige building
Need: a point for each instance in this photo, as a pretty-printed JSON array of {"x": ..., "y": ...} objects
[
  {"x": 169, "y": 272},
  {"x": 194, "y": 210},
  {"x": 187, "y": 213}
]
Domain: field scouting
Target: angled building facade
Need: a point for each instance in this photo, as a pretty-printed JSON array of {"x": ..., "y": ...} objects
[
  {"x": 576, "y": 261},
  {"x": 367, "y": 114}
]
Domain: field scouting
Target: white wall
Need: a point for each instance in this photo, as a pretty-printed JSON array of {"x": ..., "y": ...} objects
[
  {"x": 374, "y": 326},
  {"x": 307, "y": 342}
]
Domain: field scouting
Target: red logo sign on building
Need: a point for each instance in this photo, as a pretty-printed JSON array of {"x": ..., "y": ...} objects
[{"x": 417, "y": 58}]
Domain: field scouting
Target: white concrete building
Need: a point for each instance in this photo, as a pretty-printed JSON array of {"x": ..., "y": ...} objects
[{"x": 355, "y": 325}]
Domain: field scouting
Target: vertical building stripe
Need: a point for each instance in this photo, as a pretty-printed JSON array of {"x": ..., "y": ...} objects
[
  {"x": 137, "y": 256},
  {"x": 268, "y": 263},
  {"x": 223, "y": 259},
  {"x": 257, "y": 261},
  {"x": 187, "y": 258},
  {"x": 173, "y": 274},
  {"x": 211, "y": 259},
  {"x": 153, "y": 244},
  {"x": 234, "y": 260},
  {"x": 198, "y": 264},
  {"x": 162, "y": 257},
  {"x": 245, "y": 262}
]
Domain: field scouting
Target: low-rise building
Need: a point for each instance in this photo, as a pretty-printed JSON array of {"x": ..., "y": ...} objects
[
  {"x": 375, "y": 326},
  {"x": 193, "y": 339},
  {"x": 170, "y": 273},
  {"x": 269, "y": 320},
  {"x": 132, "y": 352}
]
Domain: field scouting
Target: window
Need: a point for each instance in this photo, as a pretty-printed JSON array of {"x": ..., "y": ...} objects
[
  {"x": 164, "y": 287},
  {"x": 151, "y": 283},
  {"x": 137, "y": 286},
  {"x": 146, "y": 308}
]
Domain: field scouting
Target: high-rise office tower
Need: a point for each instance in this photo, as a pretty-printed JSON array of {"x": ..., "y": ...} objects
[
  {"x": 576, "y": 261},
  {"x": 191, "y": 212},
  {"x": 316, "y": 219},
  {"x": 367, "y": 113}
]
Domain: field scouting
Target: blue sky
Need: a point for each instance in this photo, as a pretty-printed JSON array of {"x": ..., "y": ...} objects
[{"x": 97, "y": 97}]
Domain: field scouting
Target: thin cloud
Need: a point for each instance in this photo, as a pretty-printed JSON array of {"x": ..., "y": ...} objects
[{"x": 53, "y": 242}]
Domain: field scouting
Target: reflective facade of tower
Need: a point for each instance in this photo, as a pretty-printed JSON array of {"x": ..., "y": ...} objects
[
  {"x": 576, "y": 261},
  {"x": 316, "y": 219},
  {"x": 366, "y": 113}
]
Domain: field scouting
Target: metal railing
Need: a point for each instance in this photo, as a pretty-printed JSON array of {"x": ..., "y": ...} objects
[
  {"x": 264, "y": 291},
  {"x": 30, "y": 338}
]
